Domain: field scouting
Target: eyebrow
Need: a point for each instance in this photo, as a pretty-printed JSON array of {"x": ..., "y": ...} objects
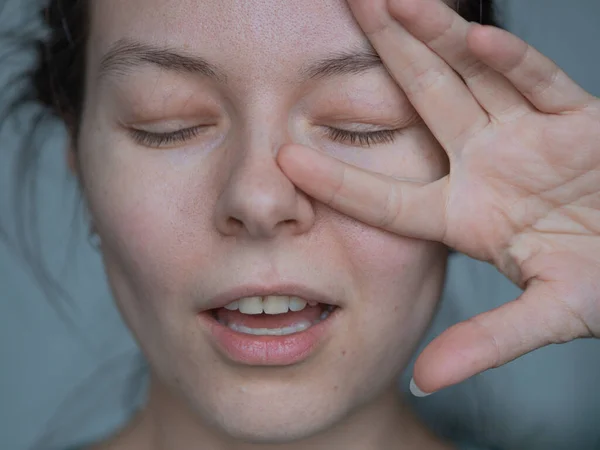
[
  {"x": 345, "y": 63},
  {"x": 127, "y": 54}
]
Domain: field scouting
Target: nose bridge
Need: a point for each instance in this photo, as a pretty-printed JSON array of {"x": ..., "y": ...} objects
[{"x": 258, "y": 200}]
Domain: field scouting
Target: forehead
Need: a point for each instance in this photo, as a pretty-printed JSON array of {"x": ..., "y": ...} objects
[{"x": 256, "y": 34}]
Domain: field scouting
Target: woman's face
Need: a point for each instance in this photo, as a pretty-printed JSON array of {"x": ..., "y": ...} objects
[{"x": 203, "y": 217}]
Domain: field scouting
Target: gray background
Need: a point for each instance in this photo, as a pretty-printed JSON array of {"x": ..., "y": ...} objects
[{"x": 62, "y": 384}]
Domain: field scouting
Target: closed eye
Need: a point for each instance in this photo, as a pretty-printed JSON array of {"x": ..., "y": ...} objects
[
  {"x": 362, "y": 138},
  {"x": 158, "y": 140}
]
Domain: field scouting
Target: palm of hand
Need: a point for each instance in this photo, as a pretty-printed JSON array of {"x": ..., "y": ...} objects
[
  {"x": 526, "y": 188},
  {"x": 525, "y": 195}
]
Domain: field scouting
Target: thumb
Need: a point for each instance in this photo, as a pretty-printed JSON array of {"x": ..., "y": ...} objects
[
  {"x": 405, "y": 207},
  {"x": 537, "y": 318}
]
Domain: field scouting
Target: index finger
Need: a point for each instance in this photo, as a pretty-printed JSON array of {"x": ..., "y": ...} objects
[{"x": 403, "y": 207}]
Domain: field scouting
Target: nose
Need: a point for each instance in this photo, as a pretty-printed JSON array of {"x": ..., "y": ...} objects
[{"x": 260, "y": 202}]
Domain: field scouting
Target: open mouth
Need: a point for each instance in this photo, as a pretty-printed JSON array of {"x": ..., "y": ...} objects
[{"x": 273, "y": 315}]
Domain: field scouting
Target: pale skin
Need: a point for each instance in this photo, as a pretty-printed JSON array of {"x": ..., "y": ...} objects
[
  {"x": 184, "y": 220},
  {"x": 181, "y": 223},
  {"x": 523, "y": 192}
]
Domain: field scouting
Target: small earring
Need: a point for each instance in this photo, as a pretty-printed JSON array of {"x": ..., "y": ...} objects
[{"x": 94, "y": 238}]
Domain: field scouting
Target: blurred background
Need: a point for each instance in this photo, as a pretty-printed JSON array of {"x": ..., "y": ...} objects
[{"x": 70, "y": 372}]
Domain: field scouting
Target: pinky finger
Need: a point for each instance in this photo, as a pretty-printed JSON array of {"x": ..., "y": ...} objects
[{"x": 536, "y": 76}]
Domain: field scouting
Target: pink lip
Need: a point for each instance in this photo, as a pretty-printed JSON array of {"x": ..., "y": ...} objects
[
  {"x": 268, "y": 350},
  {"x": 296, "y": 290}
]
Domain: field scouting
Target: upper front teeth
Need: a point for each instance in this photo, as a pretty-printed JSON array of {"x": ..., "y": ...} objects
[{"x": 272, "y": 304}]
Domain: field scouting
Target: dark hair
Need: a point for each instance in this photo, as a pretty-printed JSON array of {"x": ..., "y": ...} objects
[{"x": 58, "y": 79}]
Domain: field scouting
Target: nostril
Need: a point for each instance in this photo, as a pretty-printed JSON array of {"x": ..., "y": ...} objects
[{"x": 234, "y": 224}]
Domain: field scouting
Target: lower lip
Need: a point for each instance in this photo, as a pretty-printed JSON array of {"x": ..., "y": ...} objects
[{"x": 269, "y": 350}]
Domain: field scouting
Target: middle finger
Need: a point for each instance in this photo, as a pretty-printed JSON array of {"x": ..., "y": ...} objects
[{"x": 438, "y": 94}]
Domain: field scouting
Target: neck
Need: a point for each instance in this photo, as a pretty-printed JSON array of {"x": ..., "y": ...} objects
[{"x": 167, "y": 423}]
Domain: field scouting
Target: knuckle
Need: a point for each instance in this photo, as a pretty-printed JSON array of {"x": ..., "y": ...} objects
[
  {"x": 391, "y": 209},
  {"x": 472, "y": 69},
  {"x": 424, "y": 79},
  {"x": 573, "y": 327},
  {"x": 494, "y": 356},
  {"x": 541, "y": 82},
  {"x": 336, "y": 193},
  {"x": 443, "y": 34}
]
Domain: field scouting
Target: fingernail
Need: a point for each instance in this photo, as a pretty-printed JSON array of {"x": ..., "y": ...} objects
[{"x": 414, "y": 389}]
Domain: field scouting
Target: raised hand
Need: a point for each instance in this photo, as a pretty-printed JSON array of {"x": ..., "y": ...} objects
[{"x": 523, "y": 192}]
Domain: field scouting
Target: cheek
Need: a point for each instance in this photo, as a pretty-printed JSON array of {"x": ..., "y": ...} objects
[
  {"x": 396, "y": 270},
  {"x": 149, "y": 214},
  {"x": 159, "y": 241},
  {"x": 400, "y": 282}
]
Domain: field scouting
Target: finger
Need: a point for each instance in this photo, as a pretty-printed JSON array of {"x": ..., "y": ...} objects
[
  {"x": 537, "y": 77},
  {"x": 407, "y": 208},
  {"x": 438, "y": 94},
  {"x": 494, "y": 338},
  {"x": 445, "y": 32}
]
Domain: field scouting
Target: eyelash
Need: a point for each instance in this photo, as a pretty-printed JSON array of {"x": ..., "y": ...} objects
[
  {"x": 362, "y": 138},
  {"x": 150, "y": 139}
]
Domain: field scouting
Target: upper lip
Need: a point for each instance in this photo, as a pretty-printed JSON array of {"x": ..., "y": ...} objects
[{"x": 291, "y": 290}]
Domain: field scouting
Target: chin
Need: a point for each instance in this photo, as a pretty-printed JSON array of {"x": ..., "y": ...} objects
[
  {"x": 271, "y": 435},
  {"x": 289, "y": 427},
  {"x": 275, "y": 415}
]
